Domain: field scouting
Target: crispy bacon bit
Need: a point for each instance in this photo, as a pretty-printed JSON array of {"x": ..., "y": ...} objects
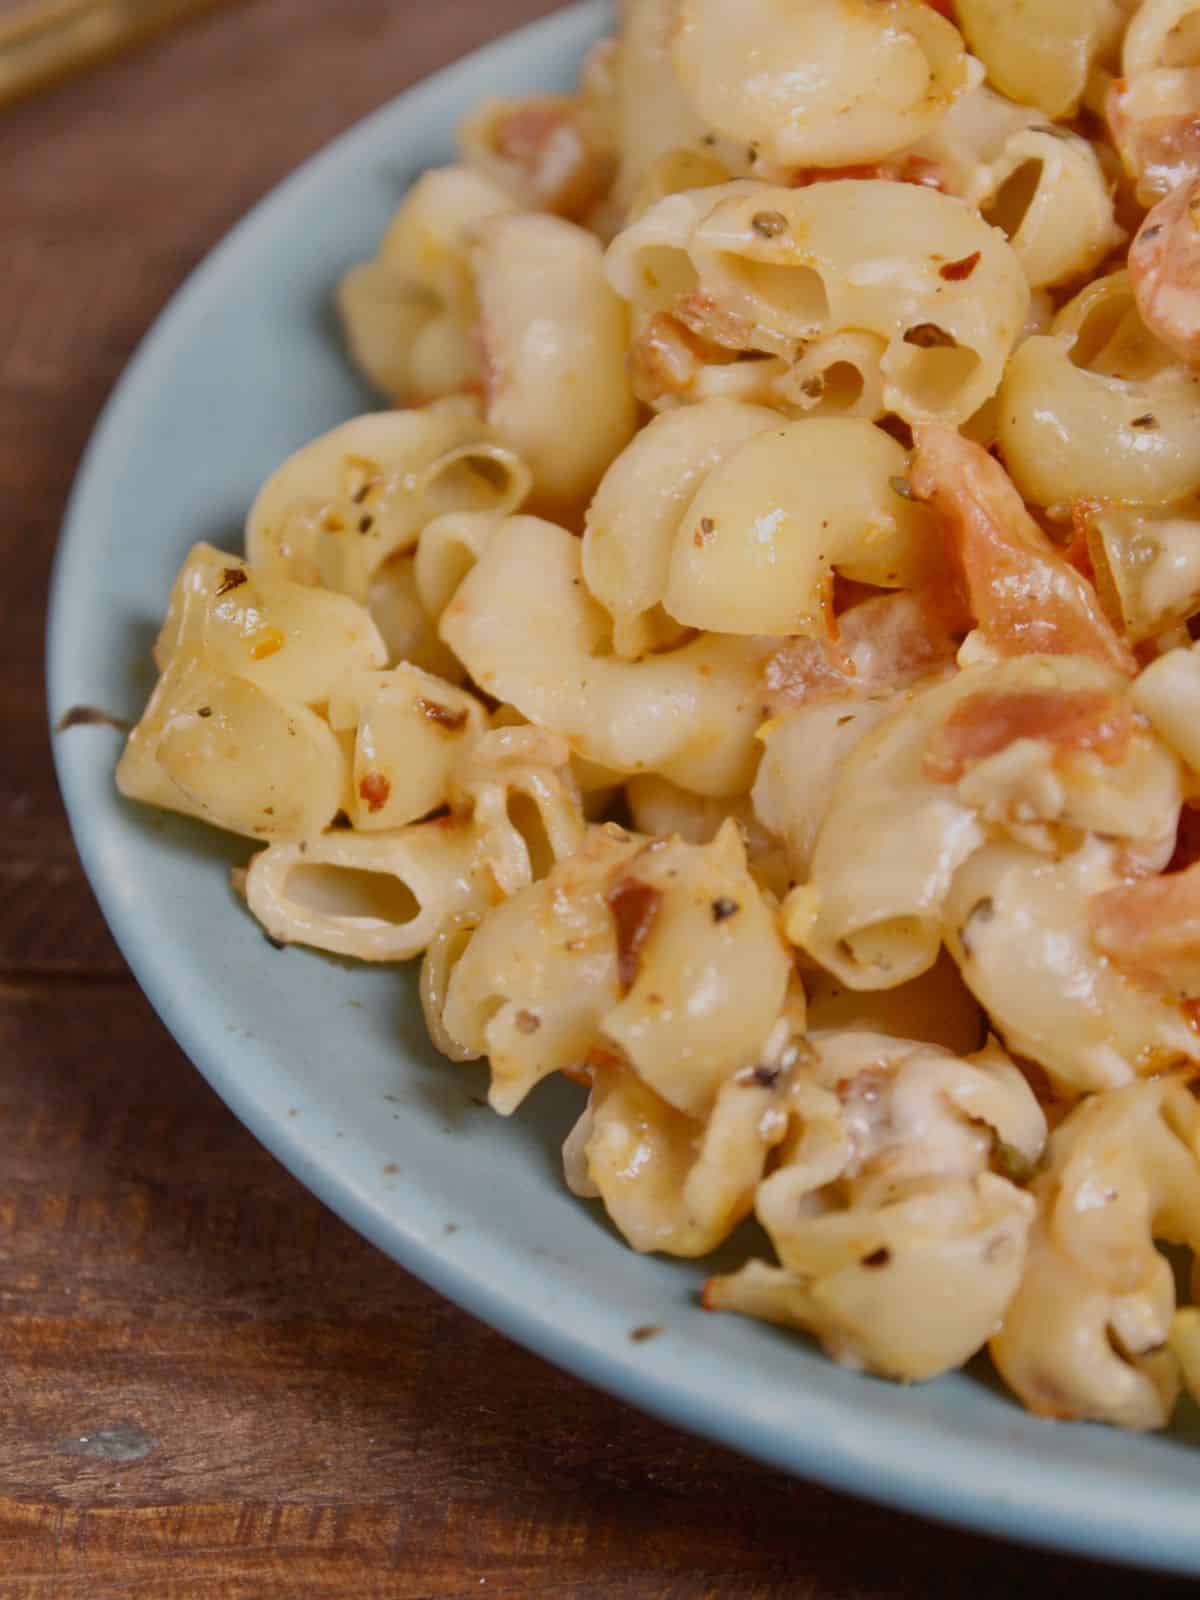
[
  {"x": 1155, "y": 128},
  {"x": 1151, "y": 927},
  {"x": 634, "y": 906},
  {"x": 522, "y": 136},
  {"x": 268, "y": 642},
  {"x": 707, "y": 319},
  {"x": 231, "y": 578},
  {"x": 1164, "y": 270},
  {"x": 885, "y": 643},
  {"x": 664, "y": 359},
  {"x": 1024, "y": 595},
  {"x": 451, "y": 721},
  {"x": 956, "y": 271},
  {"x": 1070, "y": 719},
  {"x": 809, "y": 669},
  {"x": 375, "y": 789},
  {"x": 543, "y": 139}
]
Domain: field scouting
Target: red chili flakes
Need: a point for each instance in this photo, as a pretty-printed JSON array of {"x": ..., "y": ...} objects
[
  {"x": 1191, "y": 1014},
  {"x": 956, "y": 271},
  {"x": 634, "y": 906},
  {"x": 375, "y": 789},
  {"x": 452, "y": 721}
]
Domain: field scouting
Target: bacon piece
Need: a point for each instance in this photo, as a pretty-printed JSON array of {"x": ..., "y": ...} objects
[
  {"x": 1070, "y": 719},
  {"x": 700, "y": 312},
  {"x": 1155, "y": 125},
  {"x": 1164, "y": 270},
  {"x": 885, "y": 643},
  {"x": 544, "y": 140},
  {"x": 1024, "y": 595},
  {"x": 664, "y": 359},
  {"x": 523, "y": 135},
  {"x": 1151, "y": 928}
]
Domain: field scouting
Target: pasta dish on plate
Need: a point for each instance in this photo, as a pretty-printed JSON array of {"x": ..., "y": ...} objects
[{"x": 751, "y": 662}]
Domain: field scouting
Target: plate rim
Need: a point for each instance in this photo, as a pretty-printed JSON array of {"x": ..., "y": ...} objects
[{"x": 1072, "y": 1514}]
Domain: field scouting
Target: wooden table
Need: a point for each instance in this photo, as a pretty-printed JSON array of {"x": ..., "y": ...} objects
[{"x": 208, "y": 1386}]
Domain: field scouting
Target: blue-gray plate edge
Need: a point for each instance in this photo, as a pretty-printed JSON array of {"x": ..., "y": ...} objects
[{"x": 327, "y": 1065}]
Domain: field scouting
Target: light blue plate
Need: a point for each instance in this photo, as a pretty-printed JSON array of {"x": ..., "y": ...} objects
[{"x": 328, "y": 1064}]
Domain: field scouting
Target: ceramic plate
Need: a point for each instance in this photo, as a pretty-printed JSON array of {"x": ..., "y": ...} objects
[{"x": 328, "y": 1063}]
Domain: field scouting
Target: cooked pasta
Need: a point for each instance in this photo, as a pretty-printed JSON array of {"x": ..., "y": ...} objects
[
  {"x": 1042, "y": 51},
  {"x": 826, "y": 84},
  {"x": 753, "y": 665},
  {"x": 1086, "y": 1334},
  {"x": 886, "y": 1174},
  {"x": 764, "y": 269}
]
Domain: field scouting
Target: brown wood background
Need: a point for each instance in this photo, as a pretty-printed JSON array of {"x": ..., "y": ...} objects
[{"x": 208, "y": 1386}]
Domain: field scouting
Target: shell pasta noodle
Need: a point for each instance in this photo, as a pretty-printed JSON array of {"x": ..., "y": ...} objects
[{"x": 750, "y": 660}]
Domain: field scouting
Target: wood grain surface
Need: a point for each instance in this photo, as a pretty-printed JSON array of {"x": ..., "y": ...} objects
[{"x": 209, "y": 1388}]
